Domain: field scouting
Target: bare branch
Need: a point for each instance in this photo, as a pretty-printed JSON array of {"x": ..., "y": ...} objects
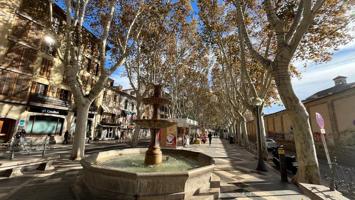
[{"x": 264, "y": 61}]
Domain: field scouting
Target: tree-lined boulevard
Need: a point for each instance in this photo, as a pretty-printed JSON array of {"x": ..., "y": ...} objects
[{"x": 219, "y": 63}]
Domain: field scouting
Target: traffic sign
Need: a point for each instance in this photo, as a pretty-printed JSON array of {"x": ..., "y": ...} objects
[{"x": 320, "y": 120}]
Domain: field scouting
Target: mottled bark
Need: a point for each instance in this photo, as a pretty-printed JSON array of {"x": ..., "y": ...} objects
[
  {"x": 259, "y": 117},
  {"x": 244, "y": 131},
  {"x": 82, "y": 112},
  {"x": 308, "y": 167},
  {"x": 135, "y": 136}
]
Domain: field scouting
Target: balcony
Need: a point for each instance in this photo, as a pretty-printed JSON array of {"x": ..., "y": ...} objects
[
  {"x": 40, "y": 100},
  {"x": 110, "y": 121}
]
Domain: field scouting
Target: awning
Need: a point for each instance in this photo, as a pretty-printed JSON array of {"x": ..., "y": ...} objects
[
  {"x": 109, "y": 126},
  {"x": 126, "y": 112},
  {"x": 105, "y": 108},
  {"x": 112, "y": 110}
]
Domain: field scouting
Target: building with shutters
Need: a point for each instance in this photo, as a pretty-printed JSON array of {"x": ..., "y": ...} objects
[
  {"x": 33, "y": 92},
  {"x": 117, "y": 110}
]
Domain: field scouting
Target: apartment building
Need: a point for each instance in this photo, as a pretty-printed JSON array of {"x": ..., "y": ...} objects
[
  {"x": 33, "y": 92},
  {"x": 116, "y": 113}
]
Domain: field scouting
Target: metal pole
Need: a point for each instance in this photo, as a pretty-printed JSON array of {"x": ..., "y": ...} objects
[
  {"x": 331, "y": 184},
  {"x": 44, "y": 147},
  {"x": 261, "y": 164}
]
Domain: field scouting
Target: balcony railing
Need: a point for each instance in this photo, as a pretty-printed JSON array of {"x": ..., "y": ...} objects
[{"x": 38, "y": 98}]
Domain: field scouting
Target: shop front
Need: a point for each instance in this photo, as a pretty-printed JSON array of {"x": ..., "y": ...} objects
[{"x": 42, "y": 122}]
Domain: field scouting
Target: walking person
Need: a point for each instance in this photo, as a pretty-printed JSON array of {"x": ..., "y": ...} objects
[
  {"x": 21, "y": 135},
  {"x": 66, "y": 137},
  {"x": 210, "y": 138}
]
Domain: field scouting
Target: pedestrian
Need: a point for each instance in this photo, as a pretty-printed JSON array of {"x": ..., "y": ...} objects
[
  {"x": 66, "y": 137},
  {"x": 21, "y": 136},
  {"x": 210, "y": 138}
]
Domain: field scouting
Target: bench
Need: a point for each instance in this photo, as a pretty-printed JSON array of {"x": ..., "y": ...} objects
[{"x": 12, "y": 168}]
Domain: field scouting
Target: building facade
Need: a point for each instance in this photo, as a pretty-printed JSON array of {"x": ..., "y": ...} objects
[
  {"x": 33, "y": 92},
  {"x": 335, "y": 104},
  {"x": 116, "y": 113}
]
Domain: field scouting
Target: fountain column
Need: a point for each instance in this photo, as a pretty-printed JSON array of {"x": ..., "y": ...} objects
[{"x": 153, "y": 155}]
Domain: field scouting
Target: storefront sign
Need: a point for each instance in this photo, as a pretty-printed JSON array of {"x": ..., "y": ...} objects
[
  {"x": 48, "y": 110},
  {"x": 45, "y": 110}
]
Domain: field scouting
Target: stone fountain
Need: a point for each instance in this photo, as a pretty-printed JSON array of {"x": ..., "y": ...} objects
[
  {"x": 153, "y": 155},
  {"x": 146, "y": 173}
]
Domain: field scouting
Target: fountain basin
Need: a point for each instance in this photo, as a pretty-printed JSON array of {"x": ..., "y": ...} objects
[{"x": 100, "y": 181}]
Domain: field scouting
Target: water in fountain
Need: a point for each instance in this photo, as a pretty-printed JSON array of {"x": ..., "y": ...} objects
[{"x": 135, "y": 163}]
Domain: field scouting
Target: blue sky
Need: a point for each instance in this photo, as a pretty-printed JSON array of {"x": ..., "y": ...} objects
[{"x": 318, "y": 77}]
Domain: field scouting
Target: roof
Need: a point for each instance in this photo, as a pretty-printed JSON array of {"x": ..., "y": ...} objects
[
  {"x": 330, "y": 91},
  {"x": 338, "y": 77}
]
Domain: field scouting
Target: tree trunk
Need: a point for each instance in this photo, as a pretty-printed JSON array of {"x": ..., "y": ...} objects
[
  {"x": 238, "y": 133},
  {"x": 82, "y": 112},
  {"x": 263, "y": 136},
  {"x": 308, "y": 168},
  {"x": 235, "y": 133},
  {"x": 259, "y": 117},
  {"x": 135, "y": 136},
  {"x": 244, "y": 131}
]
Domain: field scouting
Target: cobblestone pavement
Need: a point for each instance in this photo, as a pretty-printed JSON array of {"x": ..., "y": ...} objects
[{"x": 234, "y": 165}]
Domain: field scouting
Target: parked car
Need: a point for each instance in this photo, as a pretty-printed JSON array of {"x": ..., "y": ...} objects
[
  {"x": 271, "y": 144},
  {"x": 291, "y": 162}
]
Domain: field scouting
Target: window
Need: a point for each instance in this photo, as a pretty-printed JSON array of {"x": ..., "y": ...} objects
[
  {"x": 97, "y": 69},
  {"x": 88, "y": 65},
  {"x": 13, "y": 84},
  {"x": 21, "y": 87},
  {"x": 27, "y": 31},
  {"x": 57, "y": 23},
  {"x": 44, "y": 125},
  {"x": 46, "y": 67},
  {"x": 19, "y": 57},
  {"x": 7, "y": 83},
  {"x": 132, "y": 107},
  {"x": 41, "y": 89},
  {"x": 63, "y": 94},
  {"x": 38, "y": 10},
  {"x": 126, "y": 104}
]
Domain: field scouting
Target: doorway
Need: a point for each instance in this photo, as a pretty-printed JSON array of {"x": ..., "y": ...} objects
[{"x": 7, "y": 127}]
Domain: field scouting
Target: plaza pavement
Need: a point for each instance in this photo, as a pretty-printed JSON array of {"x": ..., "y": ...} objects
[
  {"x": 239, "y": 179},
  {"x": 234, "y": 165}
]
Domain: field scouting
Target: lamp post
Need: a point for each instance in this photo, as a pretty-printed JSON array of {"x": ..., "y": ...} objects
[
  {"x": 49, "y": 39},
  {"x": 261, "y": 164}
]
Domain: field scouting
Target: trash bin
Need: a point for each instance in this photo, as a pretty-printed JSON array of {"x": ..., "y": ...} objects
[{"x": 231, "y": 139}]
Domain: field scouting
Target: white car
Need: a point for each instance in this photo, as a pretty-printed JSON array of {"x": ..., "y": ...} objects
[{"x": 271, "y": 144}]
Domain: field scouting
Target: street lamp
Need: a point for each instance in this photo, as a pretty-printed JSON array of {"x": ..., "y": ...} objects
[
  {"x": 258, "y": 106},
  {"x": 49, "y": 39}
]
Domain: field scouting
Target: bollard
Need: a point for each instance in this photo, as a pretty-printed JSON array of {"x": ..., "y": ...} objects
[
  {"x": 44, "y": 150},
  {"x": 12, "y": 155},
  {"x": 44, "y": 147},
  {"x": 12, "y": 150},
  {"x": 283, "y": 169}
]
